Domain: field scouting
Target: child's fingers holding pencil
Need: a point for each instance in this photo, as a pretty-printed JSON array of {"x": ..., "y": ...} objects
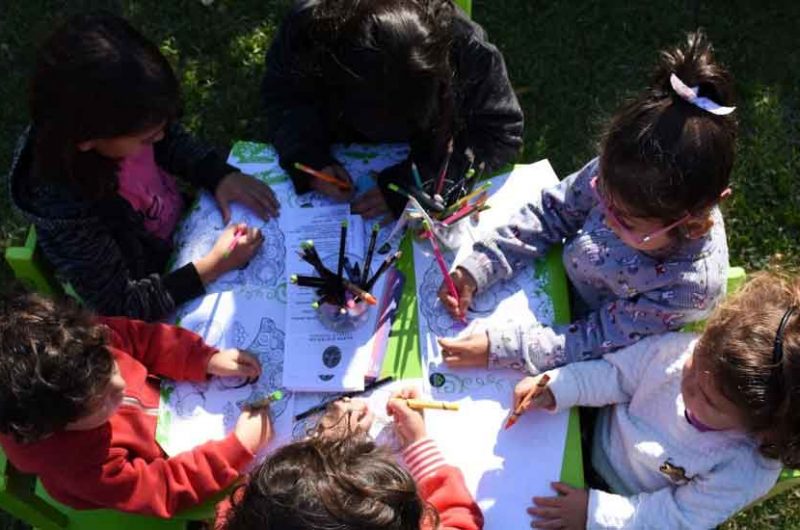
[
  {"x": 532, "y": 392},
  {"x": 409, "y": 423}
]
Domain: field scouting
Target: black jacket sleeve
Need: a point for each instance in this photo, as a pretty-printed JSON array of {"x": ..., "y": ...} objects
[
  {"x": 290, "y": 94},
  {"x": 91, "y": 259},
  {"x": 184, "y": 156}
]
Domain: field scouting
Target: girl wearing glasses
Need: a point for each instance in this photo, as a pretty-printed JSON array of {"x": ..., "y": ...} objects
[{"x": 644, "y": 241}]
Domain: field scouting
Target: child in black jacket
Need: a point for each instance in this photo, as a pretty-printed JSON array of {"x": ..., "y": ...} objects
[{"x": 415, "y": 71}]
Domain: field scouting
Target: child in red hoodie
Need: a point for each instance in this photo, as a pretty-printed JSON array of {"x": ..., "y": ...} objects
[
  {"x": 338, "y": 478},
  {"x": 79, "y": 404}
]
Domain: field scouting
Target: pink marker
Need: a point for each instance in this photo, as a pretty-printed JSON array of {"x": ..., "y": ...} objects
[
  {"x": 451, "y": 286},
  {"x": 237, "y": 235}
]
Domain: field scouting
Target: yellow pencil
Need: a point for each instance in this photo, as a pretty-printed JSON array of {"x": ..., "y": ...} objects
[{"x": 420, "y": 404}]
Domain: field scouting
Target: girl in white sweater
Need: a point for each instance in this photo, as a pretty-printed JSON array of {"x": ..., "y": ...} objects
[{"x": 698, "y": 426}]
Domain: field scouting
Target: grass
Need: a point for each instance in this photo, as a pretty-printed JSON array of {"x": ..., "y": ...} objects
[{"x": 572, "y": 63}]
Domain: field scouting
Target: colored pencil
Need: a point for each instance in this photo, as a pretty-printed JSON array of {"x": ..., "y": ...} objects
[
  {"x": 421, "y": 404},
  {"x": 443, "y": 172},
  {"x": 359, "y": 292},
  {"x": 307, "y": 281},
  {"x": 462, "y": 214},
  {"x": 324, "y": 405},
  {"x": 237, "y": 235},
  {"x": 459, "y": 203},
  {"x": 312, "y": 258},
  {"x": 417, "y": 177},
  {"x": 344, "y": 186},
  {"x": 342, "y": 245},
  {"x": 421, "y": 196},
  {"x": 530, "y": 396},
  {"x": 373, "y": 238},
  {"x": 265, "y": 401},
  {"x": 473, "y": 181},
  {"x": 451, "y": 286},
  {"x": 388, "y": 262}
]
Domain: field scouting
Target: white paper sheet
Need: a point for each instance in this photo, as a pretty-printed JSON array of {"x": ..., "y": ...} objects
[
  {"x": 502, "y": 468},
  {"x": 320, "y": 359},
  {"x": 247, "y": 308}
]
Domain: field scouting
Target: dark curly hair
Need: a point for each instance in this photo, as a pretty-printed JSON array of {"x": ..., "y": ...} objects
[
  {"x": 663, "y": 157},
  {"x": 53, "y": 362},
  {"x": 738, "y": 345},
  {"x": 329, "y": 484},
  {"x": 95, "y": 77}
]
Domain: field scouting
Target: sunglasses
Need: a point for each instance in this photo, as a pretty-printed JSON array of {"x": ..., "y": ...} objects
[{"x": 626, "y": 233}]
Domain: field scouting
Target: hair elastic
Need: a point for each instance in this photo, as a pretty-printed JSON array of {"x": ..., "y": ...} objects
[
  {"x": 777, "y": 348},
  {"x": 689, "y": 94}
]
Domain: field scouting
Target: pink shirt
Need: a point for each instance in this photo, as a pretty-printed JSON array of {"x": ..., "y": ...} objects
[{"x": 151, "y": 191}]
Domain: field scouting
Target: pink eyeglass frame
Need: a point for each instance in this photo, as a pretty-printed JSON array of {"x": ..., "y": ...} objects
[{"x": 627, "y": 234}]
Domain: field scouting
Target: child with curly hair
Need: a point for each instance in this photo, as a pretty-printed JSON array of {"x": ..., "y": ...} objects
[
  {"x": 79, "y": 405},
  {"x": 338, "y": 478}
]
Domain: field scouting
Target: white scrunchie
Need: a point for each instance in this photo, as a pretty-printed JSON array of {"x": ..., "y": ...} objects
[{"x": 689, "y": 94}]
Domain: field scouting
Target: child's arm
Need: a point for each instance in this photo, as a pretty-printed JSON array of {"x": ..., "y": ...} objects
[
  {"x": 165, "y": 350},
  {"x": 90, "y": 259},
  {"x": 185, "y": 156},
  {"x": 615, "y": 377},
  {"x": 559, "y": 212},
  {"x": 160, "y": 487},
  {"x": 295, "y": 125},
  {"x": 613, "y": 326},
  {"x": 704, "y": 502},
  {"x": 442, "y": 486}
]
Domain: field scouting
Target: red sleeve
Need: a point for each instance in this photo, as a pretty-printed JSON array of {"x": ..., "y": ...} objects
[
  {"x": 443, "y": 487},
  {"x": 161, "y": 487},
  {"x": 163, "y": 349}
]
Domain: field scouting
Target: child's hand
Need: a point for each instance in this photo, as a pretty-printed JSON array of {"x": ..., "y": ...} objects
[
  {"x": 254, "y": 428},
  {"x": 543, "y": 400},
  {"x": 233, "y": 362},
  {"x": 409, "y": 424},
  {"x": 567, "y": 511},
  {"x": 331, "y": 190},
  {"x": 466, "y": 352},
  {"x": 223, "y": 258},
  {"x": 248, "y": 190},
  {"x": 345, "y": 417},
  {"x": 370, "y": 205},
  {"x": 466, "y": 287}
]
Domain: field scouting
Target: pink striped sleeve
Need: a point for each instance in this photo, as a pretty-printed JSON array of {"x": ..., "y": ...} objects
[{"x": 423, "y": 458}]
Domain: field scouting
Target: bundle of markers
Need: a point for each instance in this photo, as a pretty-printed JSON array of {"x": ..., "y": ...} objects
[
  {"x": 447, "y": 202},
  {"x": 333, "y": 287}
]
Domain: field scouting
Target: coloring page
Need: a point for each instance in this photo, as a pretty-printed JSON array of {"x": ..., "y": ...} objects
[
  {"x": 502, "y": 468},
  {"x": 247, "y": 308}
]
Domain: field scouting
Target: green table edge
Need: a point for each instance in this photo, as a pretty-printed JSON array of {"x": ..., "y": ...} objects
[{"x": 403, "y": 359}]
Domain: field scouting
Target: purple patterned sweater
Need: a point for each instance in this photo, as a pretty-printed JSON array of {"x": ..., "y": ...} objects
[{"x": 629, "y": 294}]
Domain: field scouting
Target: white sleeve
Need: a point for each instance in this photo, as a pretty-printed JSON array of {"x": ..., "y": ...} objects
[
  {"x": 703, "y": 503},
  {"x": 615, "y": 377}
]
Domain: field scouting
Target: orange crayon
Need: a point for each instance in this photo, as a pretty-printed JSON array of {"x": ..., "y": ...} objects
[{"x": 530, "y": 396}]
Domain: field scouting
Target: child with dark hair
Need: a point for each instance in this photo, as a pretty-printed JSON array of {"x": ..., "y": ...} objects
[
  {"x": 94, "y": 172},
  {"x": 411, "y": 71},
  {"x": 697, "y": 427},
  {"x": 338, "y": 478},
  {"x": 644, "y": 241},
  {"x": 79, "y": 402}
]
